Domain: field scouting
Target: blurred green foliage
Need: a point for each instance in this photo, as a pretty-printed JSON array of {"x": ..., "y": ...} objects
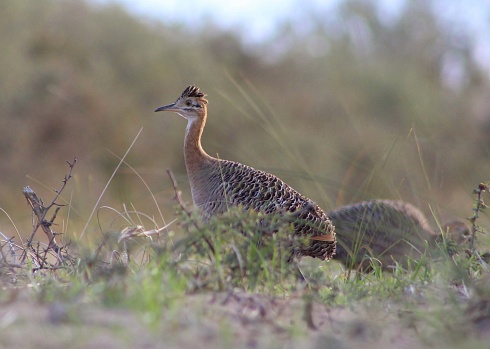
[{"x": 356, "y": 108}]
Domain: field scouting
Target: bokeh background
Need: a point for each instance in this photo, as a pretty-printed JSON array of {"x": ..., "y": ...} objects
[{"x": 346, "y": 101}]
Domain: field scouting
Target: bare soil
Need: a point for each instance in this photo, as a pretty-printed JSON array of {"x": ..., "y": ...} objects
[{"x": 214, "y": 320}]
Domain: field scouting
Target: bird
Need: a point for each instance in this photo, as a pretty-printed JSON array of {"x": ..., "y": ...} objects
[
  {"x": 218, "y": 184},
  {"x": 388, "y": 231},
  {"x": 457, "y": 231}
]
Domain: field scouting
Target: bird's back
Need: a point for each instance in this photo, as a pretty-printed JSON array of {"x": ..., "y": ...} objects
[
  {"x": 224, "y": 183},
  {"x": 389, "y": 231}
]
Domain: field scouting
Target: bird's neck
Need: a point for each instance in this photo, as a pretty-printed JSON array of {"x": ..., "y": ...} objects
[{"x": 195, "y": 157}]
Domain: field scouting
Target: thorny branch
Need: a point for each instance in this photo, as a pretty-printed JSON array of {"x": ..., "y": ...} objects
[
  {"x": 479, "y": 206},
  {"x": 40, "y": 211}
]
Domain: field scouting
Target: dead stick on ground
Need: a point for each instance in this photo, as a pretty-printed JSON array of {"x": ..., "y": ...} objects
[{"x": 40, "y": 211}]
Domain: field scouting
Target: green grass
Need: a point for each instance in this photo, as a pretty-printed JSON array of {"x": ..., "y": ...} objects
[
  {"x": 341, "y": 127},
  {"x": 228, "y": 283},
  {"x": 230, "y": 279}
]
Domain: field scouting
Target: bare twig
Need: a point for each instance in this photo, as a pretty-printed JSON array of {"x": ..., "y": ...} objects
[
  {"x": 479, "y": 206},
  {"x": 177, "y": 192},
  {"x": 4, "y": 258},
  {"x": 10, "y": 245},
  {"x": 99, "y": 248},
  {"x": 6, "y": 262},
  {"x": 40, "y": 211},
  {"x": 178, "y": 198}
]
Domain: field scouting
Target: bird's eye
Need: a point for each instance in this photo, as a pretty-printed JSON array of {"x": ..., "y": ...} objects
[{"x": 188, "y": 103}]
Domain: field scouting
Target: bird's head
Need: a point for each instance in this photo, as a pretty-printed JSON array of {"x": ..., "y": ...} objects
[
  {"x": 191, "y": 104},
  {"x": 457, "y": 231}
]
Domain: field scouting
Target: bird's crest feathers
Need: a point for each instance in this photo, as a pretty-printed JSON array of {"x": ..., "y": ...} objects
[{"x": 192, "y": 91}]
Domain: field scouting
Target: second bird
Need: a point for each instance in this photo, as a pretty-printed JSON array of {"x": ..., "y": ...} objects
[
  {"x": 218, "y": 184},
  {"x": 388, "y": 231}
]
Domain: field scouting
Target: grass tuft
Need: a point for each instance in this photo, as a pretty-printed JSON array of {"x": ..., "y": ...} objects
[{"x": 242, "y": 266}]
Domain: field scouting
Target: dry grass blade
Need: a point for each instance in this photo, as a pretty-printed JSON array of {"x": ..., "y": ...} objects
[
  {"x": 139, "y": 230},
  {"x": 109, "y": 182}
]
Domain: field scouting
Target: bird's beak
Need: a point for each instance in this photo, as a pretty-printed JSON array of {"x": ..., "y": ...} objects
[{"x": 168, "y": 107}]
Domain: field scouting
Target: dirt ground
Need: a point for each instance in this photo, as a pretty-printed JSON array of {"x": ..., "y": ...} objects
[{"x": 213, "y": 320}]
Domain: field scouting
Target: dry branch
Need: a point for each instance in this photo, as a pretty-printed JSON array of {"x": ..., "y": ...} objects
[
  {"x": 40, "y": 211},
  {"x": 479, "y": 206},
  {"x": 177, "y": 192},
  {"x": 178, "y": 198}
]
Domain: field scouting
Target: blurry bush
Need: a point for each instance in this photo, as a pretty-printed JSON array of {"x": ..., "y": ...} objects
[{"x": 353, "y": 107}]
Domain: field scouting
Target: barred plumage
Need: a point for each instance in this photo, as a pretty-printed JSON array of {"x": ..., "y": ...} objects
[
  {"x": 218, "y": 184},
  {"x": 386, "y": 230}
]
